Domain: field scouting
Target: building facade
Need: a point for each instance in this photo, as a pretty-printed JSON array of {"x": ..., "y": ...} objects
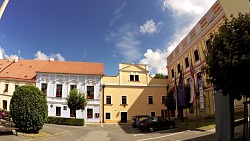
[
  {"x": 58, "y": 78},
  {"x": 191, "y": 50},
  {"x": 132, "y": 92},
  {"x": 14, "y": 73}
]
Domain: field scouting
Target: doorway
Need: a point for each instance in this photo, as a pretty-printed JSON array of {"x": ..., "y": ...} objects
[{"x": 124, "y": 117}]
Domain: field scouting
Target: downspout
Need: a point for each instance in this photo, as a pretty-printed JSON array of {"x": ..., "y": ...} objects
[{"x": 103, "y": 87}]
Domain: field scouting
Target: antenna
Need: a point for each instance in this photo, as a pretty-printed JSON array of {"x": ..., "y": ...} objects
[{"x": 84, "y": 55}]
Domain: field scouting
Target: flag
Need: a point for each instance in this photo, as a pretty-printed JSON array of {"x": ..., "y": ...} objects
[
  {"x": 192, "y": 84},
  {"x": 181, "y": 95}
]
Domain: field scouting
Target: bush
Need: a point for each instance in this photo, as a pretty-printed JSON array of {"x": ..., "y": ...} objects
[
  {"x": 28, "y": 108},
  {"x": 65, "y": 121}
]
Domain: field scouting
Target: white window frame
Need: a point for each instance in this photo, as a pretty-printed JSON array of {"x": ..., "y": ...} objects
[
  {"x": 152, "y": 99},
  {"x": 106, "y": 99},
  {"x": 161, "y": 98},
  {"x": 86, "y": 88},
  {"x": 152, "y": 112},
  {"x": 110, "y": 116},
  {"x": 126, "y": 99}
]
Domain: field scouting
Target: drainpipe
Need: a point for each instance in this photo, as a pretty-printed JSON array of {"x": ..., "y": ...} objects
[{"x": 103, "y": 86}]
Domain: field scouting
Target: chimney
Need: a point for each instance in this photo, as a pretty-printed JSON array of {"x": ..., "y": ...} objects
[
  {"x": 51, "y": 59},
  {"x": 16, "y": 59}
]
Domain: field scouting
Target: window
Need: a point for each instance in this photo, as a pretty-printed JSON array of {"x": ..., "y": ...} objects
[
  {"x": 58, "y": 111},
  {"x": 179, "y": 68},
  {"x": 108, "y": 99},
  {"x": 196, "y": 55},
  {"x": 90, "y": 113},
  {"x": 150, "y": 100},
  {"x": 90, "y": 92},
  {"x": 107, "y": 115},
  {"x": 152, "y": 113},
  {"x": 64, "y": 107},
  {"x": 208, "y": 43},
  {"x": 163, "y": 99},
  {"x": 5, "y": 104},
  {"x": 58, "y": 90},
  {"x": 187, "y": 62},
  {"x": 72, "y": 113},
  {"x": 6, "y": 88},
  {"x": 134, "y": 77},
  {"x": 44, "y": 88},
  {"x": 16, "y": 86},
  {"x": 73, "y": 87},
  {"x": 172, "y": 71},
  {"x": 124, "y": 99}
]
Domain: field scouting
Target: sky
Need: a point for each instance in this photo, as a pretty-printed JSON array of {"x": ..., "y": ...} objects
[{"x": 109, "y": 32}]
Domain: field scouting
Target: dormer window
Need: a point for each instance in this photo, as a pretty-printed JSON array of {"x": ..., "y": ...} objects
[{"x": 134, "y": 77}]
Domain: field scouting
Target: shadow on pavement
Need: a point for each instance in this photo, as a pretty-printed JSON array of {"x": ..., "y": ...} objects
[
  {"x": 210, "y": 137},
  {"x": 130, "y": 130},
  {"x": 6, "y": 132}
]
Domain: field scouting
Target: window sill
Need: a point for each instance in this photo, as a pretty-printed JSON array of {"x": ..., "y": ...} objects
[
  {"x": 123, "y": 104},
  {"x": 108, "y": 104}
]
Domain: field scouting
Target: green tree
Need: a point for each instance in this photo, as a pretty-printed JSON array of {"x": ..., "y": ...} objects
[
  {"x": 228, "y": 56},
  {"x": 28, "y": 108},
  {"x": 159, "y": 75},
  {"x": 170, "y": 101},
  {"x": 76, "y": 101}
]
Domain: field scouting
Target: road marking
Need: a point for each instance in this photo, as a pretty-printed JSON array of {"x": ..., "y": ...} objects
[
  {"x": 102, "y": 125},
  {"x": 84, "y": 125},
  {"x": 161, "y": 136},
  {"x": 139, "y": 135}
]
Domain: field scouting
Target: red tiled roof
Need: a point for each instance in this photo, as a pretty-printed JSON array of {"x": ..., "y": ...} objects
[
  {"x": 26, "y": 69},
  {"x": 23, "y": 69},
  {"x": 4, "y": 63},
  {"x": 73, "y": 68}
]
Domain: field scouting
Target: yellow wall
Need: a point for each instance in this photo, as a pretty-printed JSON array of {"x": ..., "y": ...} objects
[
  {"x": 235, "y": 6},
  {"x": 224, "y": 8},
  {"x": 7, "y": 95},
  {"x": 137, "y": 93}
]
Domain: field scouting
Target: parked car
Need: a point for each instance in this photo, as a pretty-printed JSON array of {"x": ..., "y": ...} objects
[
  {"x": 152, "y": 123},
  {"x": 136, "y": 119}
]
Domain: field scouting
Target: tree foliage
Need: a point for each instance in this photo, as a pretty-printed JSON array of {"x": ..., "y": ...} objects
[
  {"x": 228, "y": 56},
  {"x": 159, "y": 75},
  {"x": 28, "y": 108},
  {"x": 76, "y": 101},
  {"x": 170, "y": 101}
]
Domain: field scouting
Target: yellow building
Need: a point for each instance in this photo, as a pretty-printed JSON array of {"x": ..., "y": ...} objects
[
  {"x": 191, "y": 49},
  {"x": 132, "y": 92},
  {"x": 14, "y": 73}
]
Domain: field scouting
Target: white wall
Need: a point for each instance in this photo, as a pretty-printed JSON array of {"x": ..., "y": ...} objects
[{"x": 82, "y": 81}]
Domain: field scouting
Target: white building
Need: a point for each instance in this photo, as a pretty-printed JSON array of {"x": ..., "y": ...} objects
[{"x": 57, "y": 79}]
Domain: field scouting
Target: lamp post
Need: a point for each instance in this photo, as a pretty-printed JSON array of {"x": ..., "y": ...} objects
[{"x": 2, "y": 8}]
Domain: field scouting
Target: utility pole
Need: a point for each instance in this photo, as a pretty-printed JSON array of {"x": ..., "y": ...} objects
[{"x": 2, "y": 8}]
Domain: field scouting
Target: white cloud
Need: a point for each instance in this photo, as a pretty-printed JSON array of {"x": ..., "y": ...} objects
[
  {"x": 59, "y": 57},
  {"x": 126, "y": 42},
  {"x": 156, "y": 60},
  {"x": 150, "y": 27},
  {"x": 186, "y": 14},
  {"x": 42, "y": 56},
  {"x": 3, "y": 55},
  {"x": 188, "y": 7}
]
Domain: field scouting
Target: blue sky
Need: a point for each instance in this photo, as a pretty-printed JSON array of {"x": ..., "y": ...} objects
[{"x": 113, "y": 31}]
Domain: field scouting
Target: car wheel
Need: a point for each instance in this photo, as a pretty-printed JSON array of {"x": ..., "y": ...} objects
[{"x": 151, "y": 129}]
